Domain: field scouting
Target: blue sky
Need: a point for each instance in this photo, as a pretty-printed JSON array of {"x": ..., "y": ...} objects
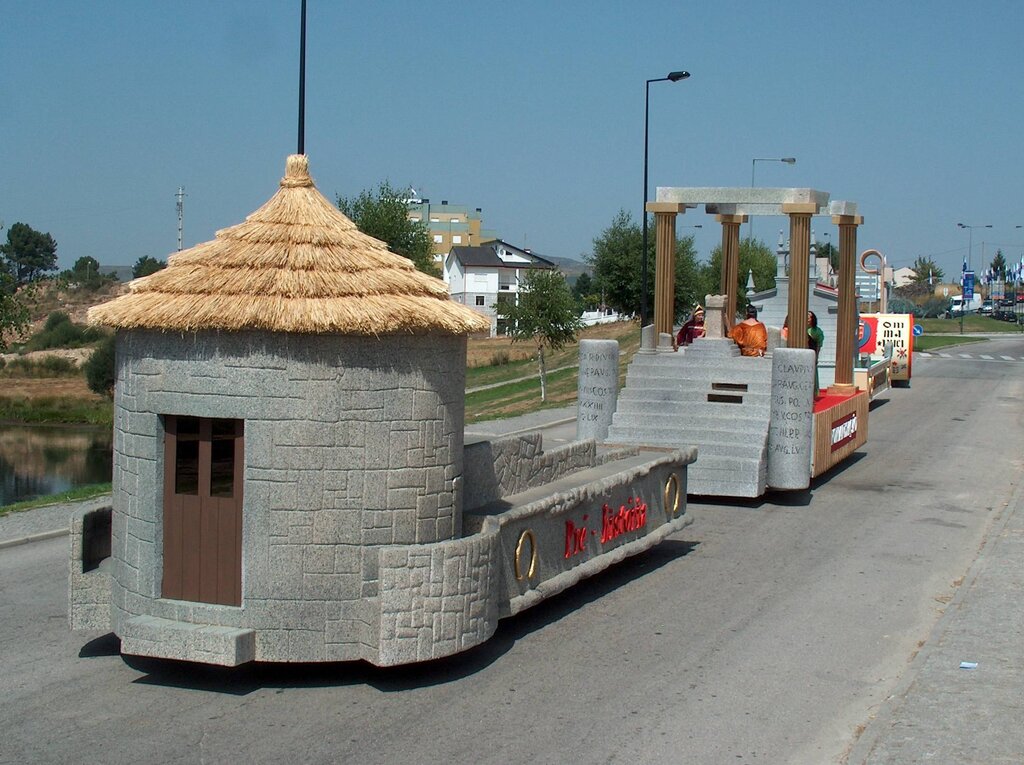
[{"x": 530, "y": 110}]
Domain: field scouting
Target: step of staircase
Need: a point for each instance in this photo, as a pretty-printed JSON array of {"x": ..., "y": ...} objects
[
  {"x": 666, "y": 403},
  {"x": 688, "y": 435},
  {"x": 707, "y": 420}
]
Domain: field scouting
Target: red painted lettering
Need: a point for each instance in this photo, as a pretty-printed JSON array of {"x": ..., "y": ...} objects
[{"x": 629, "y": 517}]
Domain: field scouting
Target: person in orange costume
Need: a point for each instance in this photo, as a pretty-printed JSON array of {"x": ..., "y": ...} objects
[{"x": 750, "y": 334}]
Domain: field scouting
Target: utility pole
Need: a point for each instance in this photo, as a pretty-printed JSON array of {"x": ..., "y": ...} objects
[{"x": 181, "y": 213}]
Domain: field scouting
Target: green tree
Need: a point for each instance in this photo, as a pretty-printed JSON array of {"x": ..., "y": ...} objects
[
  {"x": 925, "y": 269},
  {"x": 100, "y": 372},
  {"x": 754, "y": 255},
  {"x": 616, "y": 263},
  {"x": 998, "y": 265},
  {"x": 146, "y": 265},
  {"x": 585, "y": 292},
  {"x": 830, "y": 251},
  {"x": 544, "y": 312},
  {"x": 14, "y": 308},
  {"x": 86, "y": 274},
  {"x": 383, "y": 214},
  {"x": 29, "y": 254}
]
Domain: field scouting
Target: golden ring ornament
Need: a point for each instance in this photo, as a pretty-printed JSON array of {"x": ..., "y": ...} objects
[
  {"x": 526, "y": 535},
  {"x": 671, "y": 495}
]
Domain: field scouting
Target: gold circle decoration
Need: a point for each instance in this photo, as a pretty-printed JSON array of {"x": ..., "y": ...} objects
[
  {"x": 526, "y": 535},
  {"x": 672, "y": 495}
]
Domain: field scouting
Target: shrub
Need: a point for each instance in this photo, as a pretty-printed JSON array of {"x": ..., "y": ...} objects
[
  {"x": 100, "y": 373},
  {"x": 55, "y": 319},
  {"x": 901, "y": 305},
  {"x": 499, "y": 358},
  {"x": 60, "y": 332},
  {"x": 47, "y": 366}
]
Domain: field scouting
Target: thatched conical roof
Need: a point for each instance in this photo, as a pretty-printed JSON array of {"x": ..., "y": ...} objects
[{"x": 297, "y": 264}]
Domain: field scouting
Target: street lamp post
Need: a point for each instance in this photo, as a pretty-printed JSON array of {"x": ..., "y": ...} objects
[
  {"x": 970, "y": 245},
  {"x": 672, "y": 77},
  {"x": 753, "y": 167}
]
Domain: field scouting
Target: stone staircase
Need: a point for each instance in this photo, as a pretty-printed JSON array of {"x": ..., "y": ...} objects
[{"x": 706, "y": 395}]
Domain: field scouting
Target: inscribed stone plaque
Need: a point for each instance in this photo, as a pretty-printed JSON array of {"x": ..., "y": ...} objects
[
  {"x": 791, "y": 427},
  {"x": 598, "y": 388}
]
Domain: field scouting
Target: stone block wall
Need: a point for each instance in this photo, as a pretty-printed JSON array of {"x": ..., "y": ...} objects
[
  {"x": 350, "y": 444},
  {"x": 89, "y": 578},
  {"x": 504, "y": 466},
  {"x": 437, "y": 600}
]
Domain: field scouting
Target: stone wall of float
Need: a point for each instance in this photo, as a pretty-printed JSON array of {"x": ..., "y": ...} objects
[{"x": 351, "y": 445}]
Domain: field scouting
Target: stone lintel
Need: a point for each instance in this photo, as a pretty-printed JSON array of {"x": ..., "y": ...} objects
[
  {"x": 848, "y": 220},
  {"x": 750, "y": 209},
  {"x": 797, "y": 208},
  {"x": 667, "y": 207},
  {"x": 731, "y": 218},
  {"x": 741, "y": 195},
  {"x": 842, "y": 207}
]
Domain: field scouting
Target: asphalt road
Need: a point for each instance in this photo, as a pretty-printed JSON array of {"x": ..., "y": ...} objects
[{"x": 766, "y": 631}]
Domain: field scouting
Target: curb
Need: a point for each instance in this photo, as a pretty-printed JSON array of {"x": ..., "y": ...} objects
[
  {"x": 33, "y": 538},
  {"x": 552, "y": 424}
]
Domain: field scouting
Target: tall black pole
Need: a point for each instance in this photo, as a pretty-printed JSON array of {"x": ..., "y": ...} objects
[
  {"x": 643, "y": 214},
  {"x": 672, "y": 77},
  {"x": 302, "y": 82}
]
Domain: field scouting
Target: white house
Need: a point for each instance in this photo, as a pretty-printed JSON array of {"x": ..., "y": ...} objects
[{"x": 480, "y": 277}]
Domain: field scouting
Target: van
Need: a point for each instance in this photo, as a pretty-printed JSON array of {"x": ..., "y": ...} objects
[{"x": 956, "y": 306}]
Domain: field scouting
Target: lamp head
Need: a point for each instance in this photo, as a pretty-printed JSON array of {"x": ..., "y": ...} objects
[
  {"x": 788, "y": 160},
  {"x": 677, "y": 76}
]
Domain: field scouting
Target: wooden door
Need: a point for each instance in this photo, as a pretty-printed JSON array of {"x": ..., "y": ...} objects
[{"x": 203, "y": 463}]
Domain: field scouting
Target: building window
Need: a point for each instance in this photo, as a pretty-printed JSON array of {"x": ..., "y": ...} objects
[
  {"x": 479, "y": 299},
  {"x": 438, "y": 238},
  {"x": 435, "y": 220},
  {"x": 457, "y": 239}
]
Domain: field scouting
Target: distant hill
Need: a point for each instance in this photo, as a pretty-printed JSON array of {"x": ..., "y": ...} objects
[{"x": 570, "y": 267}]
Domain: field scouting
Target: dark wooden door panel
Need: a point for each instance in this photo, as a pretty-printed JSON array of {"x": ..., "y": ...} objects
[{"x": 203, "y": 510}]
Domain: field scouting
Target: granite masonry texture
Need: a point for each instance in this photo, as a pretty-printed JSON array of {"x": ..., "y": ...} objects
[
  {"x": 351, "y": 444},
  {"x": 708, "y": 396},
  {"x": 353, "y": 544},
  {"x": 597, "y": 388},
  {"x": 512, "y": 464},
  {"x": 790, "y": 436},
  {"x": 89, "y": 572}
]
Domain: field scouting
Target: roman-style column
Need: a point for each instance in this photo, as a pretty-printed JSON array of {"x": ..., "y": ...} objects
[
  {"x": 664, "y": 263},
  {"x": 799, "y": 270},
  {"x": 846, "y": 319},
  {"x": 730, "y": 262}
]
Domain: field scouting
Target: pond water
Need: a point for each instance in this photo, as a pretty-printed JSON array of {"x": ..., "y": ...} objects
[{"x": 46, "y": 459}]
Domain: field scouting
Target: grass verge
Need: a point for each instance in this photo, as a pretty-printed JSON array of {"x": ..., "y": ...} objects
[
  {"x": 972, "y": 323},
  {"x": 521, "y": 397},
  {"x": 73, "y": 495},
  {"x": 934, "y": 342},
  {"x": 56, "y": 410}
]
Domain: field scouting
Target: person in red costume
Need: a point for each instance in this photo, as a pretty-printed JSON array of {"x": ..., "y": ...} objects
[{"x": 692, "y": 328}]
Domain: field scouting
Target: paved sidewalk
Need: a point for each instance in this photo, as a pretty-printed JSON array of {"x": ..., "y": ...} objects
[
  {"x": 944, "y": 714},
  {"x": 42, "y": 522}
]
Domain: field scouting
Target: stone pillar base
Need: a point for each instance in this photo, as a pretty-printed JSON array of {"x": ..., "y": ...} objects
[{"x": 842, "y": 389}]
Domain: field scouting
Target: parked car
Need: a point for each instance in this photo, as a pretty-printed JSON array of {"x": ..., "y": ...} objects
[{"x": 986, "y": 307}]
